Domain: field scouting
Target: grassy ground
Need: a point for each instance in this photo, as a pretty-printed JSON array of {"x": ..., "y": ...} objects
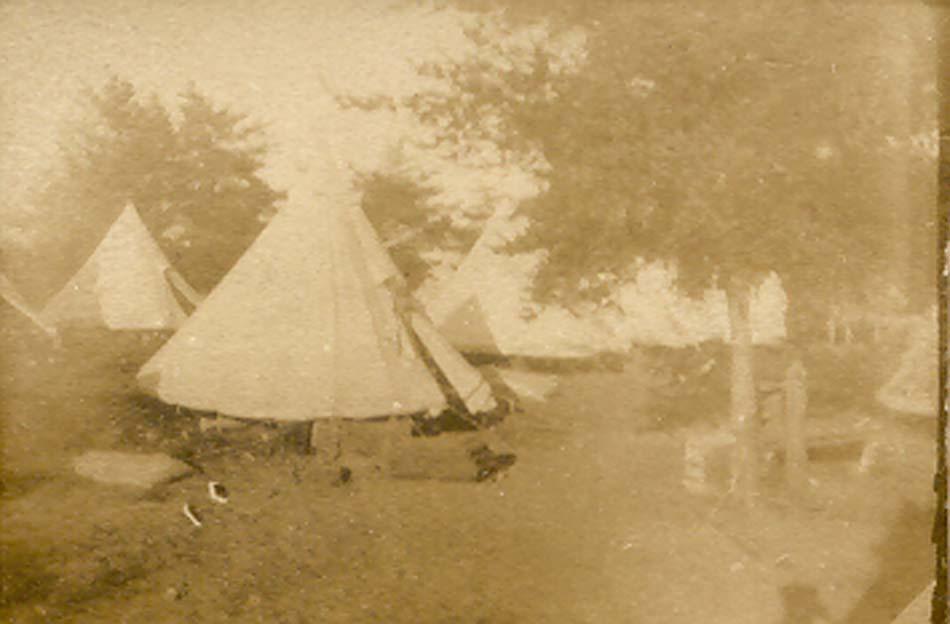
[{"x": 590, "y": 525}]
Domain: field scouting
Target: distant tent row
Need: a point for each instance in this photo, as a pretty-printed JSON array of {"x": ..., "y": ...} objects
[
  {"x": 127, "y": 283},
  {"x": 481, "y": 309},
  {"x": 654, "y": 311}
]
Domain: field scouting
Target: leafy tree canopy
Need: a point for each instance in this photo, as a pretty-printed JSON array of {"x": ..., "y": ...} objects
[
  {"x": 736, "y": 138},
  {"x": 417, "y": 238},
  {"x": 193, "y": 174}
]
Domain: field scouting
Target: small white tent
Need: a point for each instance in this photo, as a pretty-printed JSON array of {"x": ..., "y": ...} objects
[
  {"x": 309, "y": 324},
  {"x": 123, "y": 285},
  {"x": 913, "y": 387},
  {"x": 918, "y": 611},
  {"x": 481, "y": 309}
]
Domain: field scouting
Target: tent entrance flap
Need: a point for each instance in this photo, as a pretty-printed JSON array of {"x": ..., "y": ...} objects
[
  {"x": 472, "y": 389},
  {"x": 187, "y": 296}
]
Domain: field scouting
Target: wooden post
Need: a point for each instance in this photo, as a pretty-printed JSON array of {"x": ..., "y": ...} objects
[
  {"x": 392, "y": 431},
  {"x": 326, "y": 438},
  {"x": 745, "y": 468},
  {"x": 796, "y": 403},
  {"x": 834, "y": 323}
]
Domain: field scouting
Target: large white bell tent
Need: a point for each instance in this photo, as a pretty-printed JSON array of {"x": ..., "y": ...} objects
[{"x": 312, "y": 323}]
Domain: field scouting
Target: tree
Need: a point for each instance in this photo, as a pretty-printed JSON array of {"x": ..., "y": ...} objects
[
  {"x": 218, "y": 198},
  {"x": 735, "y": 141},
  {"x": 416, "y": 236},
  {"x": 196, "y": 182}
]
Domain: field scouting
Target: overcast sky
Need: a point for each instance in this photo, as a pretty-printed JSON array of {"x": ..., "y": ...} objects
[{"x": 272, "y": 59}]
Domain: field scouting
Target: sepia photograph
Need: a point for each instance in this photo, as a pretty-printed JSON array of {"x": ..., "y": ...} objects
[{"x": 472, "y": 311}]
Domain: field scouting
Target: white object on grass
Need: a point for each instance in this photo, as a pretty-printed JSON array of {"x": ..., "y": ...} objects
[
  {"x": 191, "y": 514},
  {"x": 217, "y": 492}
]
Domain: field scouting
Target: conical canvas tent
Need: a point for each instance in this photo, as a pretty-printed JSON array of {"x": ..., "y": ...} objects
[
  {"x": 122, "y": 286},
  {"x": 918, "y": 611},
  {"x": 306, "y": 327},
  {"x": 479, "y": 309},
  {"x": 913, "y": 388},
  {"x": 9, "y": 294}
]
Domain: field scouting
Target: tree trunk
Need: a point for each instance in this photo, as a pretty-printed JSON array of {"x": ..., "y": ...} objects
[
  {"x": 796, "y": 448},
  {"x": 745, "y": 469}
]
